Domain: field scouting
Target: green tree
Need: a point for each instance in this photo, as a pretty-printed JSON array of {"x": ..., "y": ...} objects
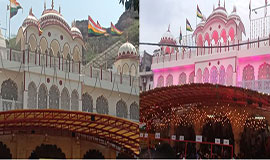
[{"x": 130, "y": 3}]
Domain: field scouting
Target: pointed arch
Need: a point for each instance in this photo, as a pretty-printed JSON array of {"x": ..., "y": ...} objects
[
  {"x": 65, "y": 99},
  {"x": 42, "y": 96},
  {"x": 32, "y": 96},
  {"x": 160, "y": 81},
  {"x": 121, "y": 109},
  {"x": 182, "y": 78},
  {"x": 87, "y": 103},
  {"x": 74, "y": 101},
  {"x": 54, "y": 97},
  {"x": 102, "y": 105},
  {"x": 9, "y": 90},
  {"x": 169, "y": 80},
  {"x": 134, "y": 111},
  {"x": 199, "y": 76}
]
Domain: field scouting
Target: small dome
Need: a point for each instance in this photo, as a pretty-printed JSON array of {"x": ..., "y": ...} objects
[
  {"x": 75, "y": 29},
  {"x": 127, "y": 50},
  {"x": 30, "y": 18},
  {"x": 167, "y": 38}
]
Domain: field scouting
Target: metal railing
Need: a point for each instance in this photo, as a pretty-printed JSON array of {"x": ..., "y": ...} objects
[{"x": 257, "y": 85}]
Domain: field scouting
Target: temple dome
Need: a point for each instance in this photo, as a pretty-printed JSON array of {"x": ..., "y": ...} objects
[
  {"x": 127, "y": 50},
  {"x": 167, "y": 38}
]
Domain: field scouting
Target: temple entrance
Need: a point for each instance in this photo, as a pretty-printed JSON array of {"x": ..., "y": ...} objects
[
  {"x": 255, "y": 138},
  {"x": 93, "y": 154},
  {"x": 47, "y": 151},
  {"x": 189, "y": 134},
  {"x": 217, "y": 127},
  {"x": 4, "y": 152}
]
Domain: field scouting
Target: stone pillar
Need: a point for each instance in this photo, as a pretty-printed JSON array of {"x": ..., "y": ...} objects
[
  {"x": 25, "y": 97},
  {"x": 234, "y": 79},
  {"x": 76, "y": 148}
]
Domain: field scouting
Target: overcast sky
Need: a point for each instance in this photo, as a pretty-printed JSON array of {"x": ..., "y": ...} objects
[
  {"x": 156, "y": 15},
  {"x": 105, "y": 11}
]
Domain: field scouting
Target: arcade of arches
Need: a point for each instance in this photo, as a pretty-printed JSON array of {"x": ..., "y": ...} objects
[
  {"x": 40, "y": 97},
  {"x": 213, "y": 111}
]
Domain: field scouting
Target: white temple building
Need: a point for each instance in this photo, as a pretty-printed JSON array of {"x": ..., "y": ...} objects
[{"x": 47, "y": 73}]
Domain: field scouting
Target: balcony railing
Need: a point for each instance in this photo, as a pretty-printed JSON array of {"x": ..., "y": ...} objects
[
  {"x": 7, "y": 105},
  {"x": 257, "y": 85},
  {"x": 60, "y": 64},
  {"x": 191, "y": 52}
]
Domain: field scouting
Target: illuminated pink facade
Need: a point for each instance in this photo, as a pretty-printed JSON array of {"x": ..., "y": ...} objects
[{"x": 223, "y": 57}]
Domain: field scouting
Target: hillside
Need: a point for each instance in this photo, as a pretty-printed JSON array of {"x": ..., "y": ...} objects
[{"x": 128, "y": 22}]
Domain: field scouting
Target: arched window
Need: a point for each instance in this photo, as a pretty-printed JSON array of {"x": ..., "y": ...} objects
[
  {"x": 102, "y": 105},
  {"x": 223, "y": 36},
  {"x": 248, "y": 73},
  {"x": 182, "y": 78},
  {"x": 206, "y": 76},
  {"x": 229, "y": 75},
  {"x": 160, "y": 82},
  {"x": 54, "y": 97},
  {"x": 74, "y": 101},
  {"x": 65, "y": 99},
  {"x": 222, "y": 75},
  {"x": 42, "y": 97},
  {"x": 134, "y": 111},
  {"x": 32, "y": 96},
  {"x": 214, "y": 75},
  {"x": 199, "y": 76},
  {"x": 9, "y": 90},
  {"x": 121, "y": 109},
  {"x": 87, "y": 103},
  {"x": 264, "y": 71},
  {"x": 215, "y": 36},
  {"x": 191, "y": 77},
  {"x": 231, "y": 34},
  {"x": 169, "y": 80}
]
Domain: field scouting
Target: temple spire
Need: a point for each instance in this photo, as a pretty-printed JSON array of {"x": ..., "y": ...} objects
[
  {"x": 224, "y": 3},
  {"x": 169, "y": 28},
  {"x": 44, "y": 5},
  {"x": 60, "y": 9},
  {"x": 218, "y": 3},
  {"x": 52, "y": 4}
]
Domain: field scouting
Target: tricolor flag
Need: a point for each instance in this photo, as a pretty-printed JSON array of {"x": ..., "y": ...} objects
[
  {"x": 199, "y": 13},
  {"x": 99, "y": 24},
  {"x": 114, "y": 30},
  {"x": 40, "y": 30},
  {"x": 94, "y": 29},
  {"x": 14, "y": 7},
  {"x": 188, "y": 26},
  {"x": 180, "y": 36}
]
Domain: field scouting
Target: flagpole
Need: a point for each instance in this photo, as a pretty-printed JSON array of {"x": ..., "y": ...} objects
[
  {"x": 6, "y": 24},
  {"x": 9, "y": 23}
]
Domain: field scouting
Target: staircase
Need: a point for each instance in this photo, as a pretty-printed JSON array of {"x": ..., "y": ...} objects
[{"x": 106, "y": 59}]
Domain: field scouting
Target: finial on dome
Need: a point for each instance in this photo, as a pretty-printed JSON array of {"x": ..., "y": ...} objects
[
  {"x": 52, "y": 4},
  {"x": 73, "y": 24},
  {"x": 213, "y": 7},
  {"x": 169, "y": 28},
  {"x": 234, "y": 8},
  {"x": 31, "y": 11},
  {"x": 60, "y": 9},
  {"x": 224, "y": 3},
  {"x": 219, "y": 3},
  {"x": 44, "y": 5}
]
